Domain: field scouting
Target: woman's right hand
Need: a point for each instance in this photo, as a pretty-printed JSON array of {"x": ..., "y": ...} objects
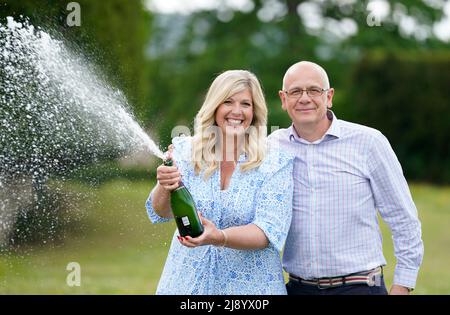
[{"x": 168, "y": 176}]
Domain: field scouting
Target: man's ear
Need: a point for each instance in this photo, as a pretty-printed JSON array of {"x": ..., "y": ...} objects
[
  {"x": 330, "y": 95},
  {"x": 282, "y": 96}
]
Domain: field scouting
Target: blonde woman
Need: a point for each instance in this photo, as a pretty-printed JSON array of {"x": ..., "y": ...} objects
[{"x": 242, "y": 190}]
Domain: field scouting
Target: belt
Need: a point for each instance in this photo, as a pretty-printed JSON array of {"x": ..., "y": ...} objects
[{"x": 370, "y": 278}]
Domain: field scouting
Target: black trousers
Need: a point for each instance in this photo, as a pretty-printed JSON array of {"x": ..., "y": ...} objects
[{"x": 296, "y": 288}]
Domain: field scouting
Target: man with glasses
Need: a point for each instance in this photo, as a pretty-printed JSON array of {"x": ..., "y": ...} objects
[{"x": 343, "y": 174}]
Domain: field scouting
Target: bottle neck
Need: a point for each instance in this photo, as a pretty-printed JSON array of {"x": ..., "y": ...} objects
[{"x": 168, "y": 162}]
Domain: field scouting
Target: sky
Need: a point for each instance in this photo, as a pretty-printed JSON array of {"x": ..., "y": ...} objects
[
  {"x": 189, "y": 6},
  {"x": 310, "y": 14}
]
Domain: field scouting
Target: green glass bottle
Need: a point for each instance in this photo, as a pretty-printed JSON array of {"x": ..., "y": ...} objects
[{"x": 184, "y": 210}]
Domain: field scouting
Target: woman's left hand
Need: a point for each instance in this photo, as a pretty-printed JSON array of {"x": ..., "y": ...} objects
[{"x": 211, "y": 235}]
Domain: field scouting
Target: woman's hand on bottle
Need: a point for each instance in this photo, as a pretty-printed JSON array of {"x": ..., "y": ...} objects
[
  {"x": 168, "y": 176},
  {"x": 211, "y": 235}
]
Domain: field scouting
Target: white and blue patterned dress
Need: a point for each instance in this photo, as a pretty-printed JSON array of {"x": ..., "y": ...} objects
[{"x": 261, "y": 196}]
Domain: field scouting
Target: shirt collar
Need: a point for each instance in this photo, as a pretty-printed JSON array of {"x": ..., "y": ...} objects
[{"x": 334, "y": 131}]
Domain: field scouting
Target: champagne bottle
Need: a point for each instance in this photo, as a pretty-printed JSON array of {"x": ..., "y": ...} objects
[{"x": 184, "y": 210}]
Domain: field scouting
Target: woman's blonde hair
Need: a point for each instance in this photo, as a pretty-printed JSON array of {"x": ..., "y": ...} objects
[{"x": 207, "y": 135}]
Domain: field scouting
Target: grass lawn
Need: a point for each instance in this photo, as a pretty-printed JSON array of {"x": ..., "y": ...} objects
[
  {"x": 118, "y": 249},
  {"x": 121, "y": 252},
  {"x": 433, "y": 204}
]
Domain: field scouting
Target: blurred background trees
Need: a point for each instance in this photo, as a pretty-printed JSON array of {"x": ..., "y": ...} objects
[
  {"x": 379, "y": 56},
  {"x": 113, "y": 34}
]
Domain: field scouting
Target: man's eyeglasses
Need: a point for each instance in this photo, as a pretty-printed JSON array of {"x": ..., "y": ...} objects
[{"x": 311, "y": 92}]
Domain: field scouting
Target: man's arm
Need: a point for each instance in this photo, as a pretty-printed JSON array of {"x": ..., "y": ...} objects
[{"x": 396, "y": 206}]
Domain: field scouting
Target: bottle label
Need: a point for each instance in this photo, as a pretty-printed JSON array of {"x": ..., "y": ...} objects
[{"x": 185, "y": 221}]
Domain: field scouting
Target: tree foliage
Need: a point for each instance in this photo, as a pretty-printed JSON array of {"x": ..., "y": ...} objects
[
  {"x": 207, "y": 44},
  {"x": 410, "y": 105},
  {"x": 113, "y": 35}
]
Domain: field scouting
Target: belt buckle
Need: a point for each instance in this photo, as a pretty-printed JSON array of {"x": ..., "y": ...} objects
[{"x": 374, "y": 278}]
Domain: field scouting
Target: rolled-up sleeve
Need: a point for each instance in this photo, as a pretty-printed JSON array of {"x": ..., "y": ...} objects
[
  {"x": 396, "y": 206},
  {"x": 154, "y": 217},
  {"x": 274, "y": 206}
]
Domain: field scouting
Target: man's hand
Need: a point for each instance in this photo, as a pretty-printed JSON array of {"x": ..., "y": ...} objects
[{"x": 398, "y": 290}]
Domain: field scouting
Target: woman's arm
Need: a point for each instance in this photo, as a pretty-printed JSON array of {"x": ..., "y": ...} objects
[
  {"x": 161, "y": 202},
  {"x": 246, "y": 237}
]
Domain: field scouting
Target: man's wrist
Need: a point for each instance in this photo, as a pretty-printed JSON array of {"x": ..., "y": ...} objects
[
  {"x": 398, "y": 289},
  {"x": 404, "y": 287}
]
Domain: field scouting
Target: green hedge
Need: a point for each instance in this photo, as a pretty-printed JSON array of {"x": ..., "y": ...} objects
[{"x": 407, "y": 97}]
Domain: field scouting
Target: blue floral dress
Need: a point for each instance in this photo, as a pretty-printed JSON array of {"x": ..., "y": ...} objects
[{"x": 262, "y": 196}]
